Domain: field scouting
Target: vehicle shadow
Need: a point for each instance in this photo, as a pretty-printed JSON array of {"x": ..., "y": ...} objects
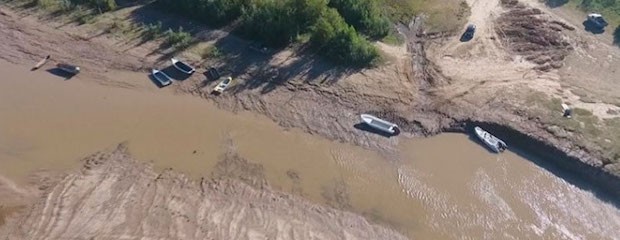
[
  {"x": 591, "y": 27},
  {"x": 617, "y": 36},
  {"x": 366, "y": 128},
  {"x": 60, "y": 73},
  {"x": 175, "y": 73}
]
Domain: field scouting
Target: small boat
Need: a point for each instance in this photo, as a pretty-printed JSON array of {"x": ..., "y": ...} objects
[
  {"x": 491, "y": 141},
  {"x": 379, "y": 124},
  {"x": 222, "y": 85},
  {"x": 181, "y": 66},
  {"x": 567, "y": 112},
  {"x": 161, "y": 77},
  {"x": 41, "y": 63},
  {"x": 68, "y": 68}
]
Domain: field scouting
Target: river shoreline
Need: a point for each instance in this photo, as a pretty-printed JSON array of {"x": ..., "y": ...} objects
[
  {"x": 331, "y": 111},
  {"x": 565, "y": 165}
]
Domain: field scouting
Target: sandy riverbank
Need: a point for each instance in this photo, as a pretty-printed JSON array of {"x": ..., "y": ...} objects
[
  {"x": 425, "y": 94},
  {"x": 117, "y": 197}
]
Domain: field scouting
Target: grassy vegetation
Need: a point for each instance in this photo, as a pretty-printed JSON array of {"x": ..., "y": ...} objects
[
  {"x": 152, "y": 31},
  {"x": 65, "y": 5},
  {"x": 393, "y": 38},
  {"x": 443, "y": 15},
  {"x": 280, "y": 22},
  {"x": 339, "y": 30},
  {"x": 211, "y": 52},
  {"x": 604, "y": 133},
  {"x": 364, "y": 15},
  {"x": 55, "y": 5},
  {"x": 178, "y": 39},
  {"x": 609, "y": 8}
]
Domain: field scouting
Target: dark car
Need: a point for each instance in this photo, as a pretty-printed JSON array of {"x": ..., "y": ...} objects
[
  {"x": 597, "y": 20},
  {"x": 469, "y": 33}
]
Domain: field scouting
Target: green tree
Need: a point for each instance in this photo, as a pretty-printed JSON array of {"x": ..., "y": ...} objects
[
  {"x": 102, "y": 5},
  {"x": 271, "y": 21},
  {"x": 340, "y": 42},
  {"x": 307, "y": 12},
  {"x": 365, "y": 15},
  {"x": 212, "y": 12}
]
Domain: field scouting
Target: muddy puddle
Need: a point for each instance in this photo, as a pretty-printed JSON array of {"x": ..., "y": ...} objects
[{"x": 445, "y": 187}]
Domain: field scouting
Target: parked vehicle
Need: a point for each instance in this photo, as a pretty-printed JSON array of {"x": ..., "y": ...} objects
[
  {"x": 72, "y": 69},
  {"x": 220, "y": 87},
  {"x": 162, "y": 78},
  {"x": 597, "y": 20},
  {"x": 567, "y": 111},
  {"x": 491, "y": 141},
  {"x": 379, "y": 124},
  {"x": 183, "y": 67},
  {"x": 469, "y": 33}
]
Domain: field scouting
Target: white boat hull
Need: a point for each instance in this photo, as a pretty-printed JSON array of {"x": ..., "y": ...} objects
[
  {"x": 379, "y": 124},
  {"x": 161, "y": 77},
  {"x": 491, "y": 141},
  {"x": 187, "y": 69}
]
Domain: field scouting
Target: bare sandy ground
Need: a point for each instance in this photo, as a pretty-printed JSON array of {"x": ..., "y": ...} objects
[
  {"x": 115, "y": 197},
  {"x": 522, "y": 49}
]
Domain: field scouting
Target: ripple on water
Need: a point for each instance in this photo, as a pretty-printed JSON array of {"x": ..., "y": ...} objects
[
  {"x": 442, "y": 213},
  {"x": 568, "y": 212}
]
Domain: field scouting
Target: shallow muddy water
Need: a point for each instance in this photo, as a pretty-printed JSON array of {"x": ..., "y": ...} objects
[{"x": 445, "y": 187}]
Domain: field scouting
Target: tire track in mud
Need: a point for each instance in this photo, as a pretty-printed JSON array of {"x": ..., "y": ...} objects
[{"x": 169, "y": 205}]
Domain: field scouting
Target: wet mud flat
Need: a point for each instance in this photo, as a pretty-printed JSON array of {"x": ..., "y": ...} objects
[{"x": 113, "y": 196}]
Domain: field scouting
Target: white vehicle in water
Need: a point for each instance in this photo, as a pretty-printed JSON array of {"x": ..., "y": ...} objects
[
  {"x": 183, "y": 67},
  {"x": 162, "y": 78},
  {"x": 379, "y": 124},
  {"x": 491, "y": 141}
]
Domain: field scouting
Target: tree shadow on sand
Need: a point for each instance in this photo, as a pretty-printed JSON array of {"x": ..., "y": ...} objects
[
  {"x": 555, "y": 3},
  {"x": 261, "y": 73},
  {"x": 617, "y": 36},
  {"x": 237, "y": 58}
]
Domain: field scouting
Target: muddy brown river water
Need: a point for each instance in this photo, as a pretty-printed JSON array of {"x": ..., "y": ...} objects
[{"x": 444, "y": 187}]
